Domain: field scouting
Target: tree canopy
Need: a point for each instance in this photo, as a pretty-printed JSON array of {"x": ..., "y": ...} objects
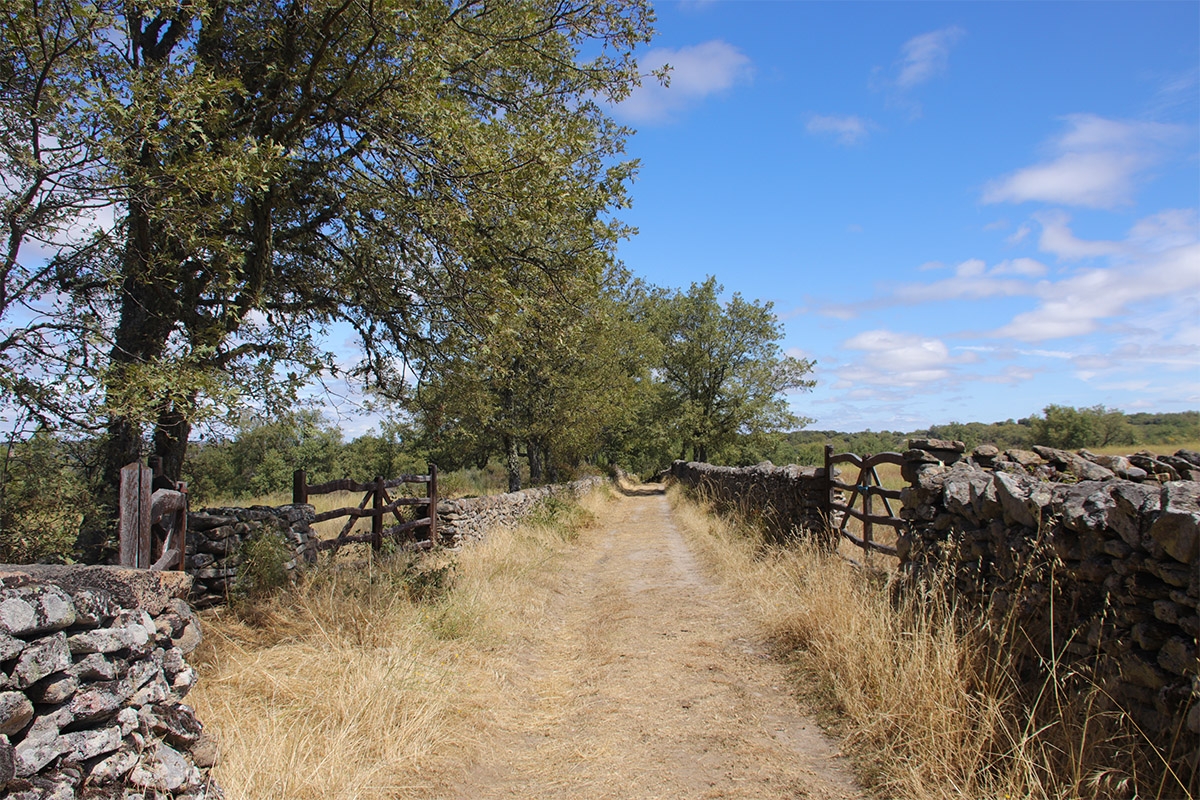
[
  {"x": 722, "y": 373},
  {"x": 271, "y": 168}
]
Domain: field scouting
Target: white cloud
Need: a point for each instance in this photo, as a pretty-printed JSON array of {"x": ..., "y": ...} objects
[
  {"x": 1167, "y": 229},
  {"x": 972, "y": 280},
  {"x": 1096, "y": 164},
  {"x": 1018, "y": 236},
  {"x": 924, "y": 56},
  {"x": 1078, "y": 304},
  {"x": 896, "y": 359},
  {"x": 1058, "y": 239},
  {"x": 848, "y": 130},
  {"x": 696, "y": 72}
]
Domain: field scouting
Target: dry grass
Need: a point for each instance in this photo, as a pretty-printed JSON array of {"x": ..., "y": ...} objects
[
  {"x": 925, "y": 710},
  {"x": 368, "y": 681}
]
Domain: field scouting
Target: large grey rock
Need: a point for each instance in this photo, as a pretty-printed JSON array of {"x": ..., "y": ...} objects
[
  {"x": 94, "y": 607},
  {"x": 8, "y": 766},
  {"x": 99, "y": 701},
  {"x": 109, "y": 640},
  {"x": 1177, "y": 529},
  {"x": 1013, "y": 493},
  {"x": 87, "y": 744},
  {"x": 113, "y": 768},
  {"x": 41, "y": 658},
  {"x": 31, "y": 610},
  {"x": 1084, "y": 506},
  {"x": 163, "y": 769},
  {"x": 10, "y": 646},
  {"x": 129, "y": 588},
  {"x": 97, "y": 667},
  {"x": 54, "y": 689},
  {"x": 35, "y": 751},
  {"x": 15, "y": 712}
]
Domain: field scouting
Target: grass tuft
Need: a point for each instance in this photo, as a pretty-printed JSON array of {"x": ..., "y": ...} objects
[
  {"x": 925, "y": 696},
  {"x": 373, "y": 680}
]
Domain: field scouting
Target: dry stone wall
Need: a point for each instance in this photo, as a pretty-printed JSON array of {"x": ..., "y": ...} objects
[
  {"x": 471, "y": 518},
  {"x": 216, "y": 537},
  {"x": 1096, "y": 558},
  {"x": 789, "y": 500},
  {"x": 93, "y": 672}
]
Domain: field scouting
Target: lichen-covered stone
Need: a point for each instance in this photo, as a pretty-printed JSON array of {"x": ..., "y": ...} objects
[
  {"x": 32, "y": 610},
  {"x": 40, "y": 658},
  {"x": 15, "y": 712},
  {"x": 87, "y": 744},
  {"x": 1177, "y": 529}
]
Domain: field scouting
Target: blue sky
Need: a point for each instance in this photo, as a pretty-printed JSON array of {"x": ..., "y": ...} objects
[{"x": 961, "y": 211}]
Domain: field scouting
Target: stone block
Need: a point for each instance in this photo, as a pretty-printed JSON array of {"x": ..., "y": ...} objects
[
  {"x": 97, "y": 667},
  {"x": 15, "y": 712},
  {"x": 99, "y": 701},
  {"x": 8, "y": 766},
  {"x": 41, "y": 658},
  {"x": 54, "y": 689},
  {"x": 88, "y": 744},
  {"x": 1177, "y": 529},
  {"x": 10, "y": 646},
  {"x": 33, "y": 610},
  {"x": 94, "y": 607}
]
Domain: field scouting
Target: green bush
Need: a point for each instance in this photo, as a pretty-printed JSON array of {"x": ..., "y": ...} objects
[{"x": 263, "y": 570}]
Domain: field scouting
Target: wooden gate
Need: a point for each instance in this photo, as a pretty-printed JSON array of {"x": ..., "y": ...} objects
[{"x": 860, "y": 497}]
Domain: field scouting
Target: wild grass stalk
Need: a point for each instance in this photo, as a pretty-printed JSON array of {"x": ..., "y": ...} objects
[
  {"x": 926, "y": 694},
  {"x": 369, "y": 681}
]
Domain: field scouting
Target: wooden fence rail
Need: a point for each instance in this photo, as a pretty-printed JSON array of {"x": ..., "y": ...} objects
[
  {"x": 865, "y": 488},
  {"x": 381, "y": 504}
]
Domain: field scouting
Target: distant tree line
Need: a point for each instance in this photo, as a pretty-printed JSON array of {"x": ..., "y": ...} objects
[{"x": 1059, "y": 426}]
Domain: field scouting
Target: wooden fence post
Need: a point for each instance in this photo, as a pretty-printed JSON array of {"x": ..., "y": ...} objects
[
  {"x": 377, "y": 517},
  {"x": 299, "y": 486},
  {"x": 134, "y": 509},
  {"x": 433, "y": 501}
]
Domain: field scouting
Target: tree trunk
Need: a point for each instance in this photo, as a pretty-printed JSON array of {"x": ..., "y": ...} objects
[
  {"x": 140, "y": 338},
  {"x": 512, "y": 463},
  {"x": 537, "y": 463},
  {"x": 171, "y": 438}
]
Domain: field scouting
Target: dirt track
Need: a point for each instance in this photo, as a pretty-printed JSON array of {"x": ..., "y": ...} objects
[{"x": 649, "y": 684}]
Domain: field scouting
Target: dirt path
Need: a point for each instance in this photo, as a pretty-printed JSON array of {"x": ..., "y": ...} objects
[{"x": 650, "y": 684}]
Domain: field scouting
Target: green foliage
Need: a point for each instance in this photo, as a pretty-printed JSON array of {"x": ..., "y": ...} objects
[
  {"x": 722, "y": 375},
  {"x": 1073, "y": 428},
  {"x": 562, "y": 379},
  {"x": 262, "y": 456},
  {"x": 263, "y": 569},
  {"x": 564, "y": 515},
  {"x": 42, "y": 496}
]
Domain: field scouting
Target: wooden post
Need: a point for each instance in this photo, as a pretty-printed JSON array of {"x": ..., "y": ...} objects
[
  {"x": 299, "y": 486},
  {"x": 377, "y": 517},
  {"x": 864, "y": 482},
  {"x": 433, "y": 501},
  {"x": 134, "y": 509}
]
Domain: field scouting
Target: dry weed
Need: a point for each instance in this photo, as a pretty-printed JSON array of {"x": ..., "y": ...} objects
[
  {"x": 367, "y": 681},
  {"x": 925, "y": 701}
]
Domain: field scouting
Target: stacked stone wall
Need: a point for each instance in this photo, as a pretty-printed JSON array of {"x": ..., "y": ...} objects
[
  {"x": 93, "y": 671},
  {"x": 787, "y": 500},
  {"x": 217, "y": 536},
  {"x": 470, "y": 518},
  {"x": 1100, "y": 572}
]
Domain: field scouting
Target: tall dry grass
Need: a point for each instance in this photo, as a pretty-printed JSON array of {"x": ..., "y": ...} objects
[
  {"x": 370, "y": 680},
  {"x": 927, "y": 702}
]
